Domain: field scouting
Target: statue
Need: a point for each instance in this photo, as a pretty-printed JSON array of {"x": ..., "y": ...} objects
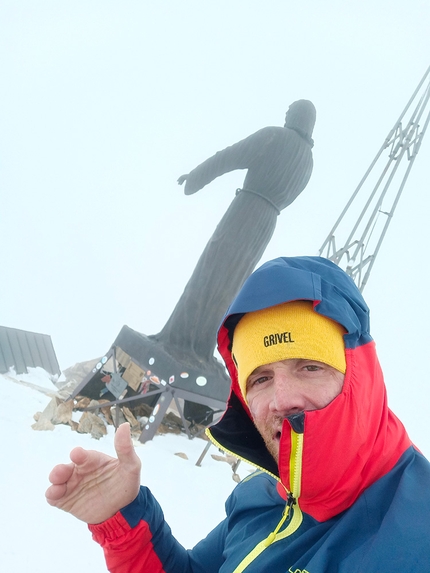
[
  {"x": 279, "y": 163},
  {"x": 178, "y": 362}
]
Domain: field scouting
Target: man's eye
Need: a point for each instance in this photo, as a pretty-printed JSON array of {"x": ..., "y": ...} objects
[
  {"x": 312, "y": 367},
  {"x": 257, "y": 381}
]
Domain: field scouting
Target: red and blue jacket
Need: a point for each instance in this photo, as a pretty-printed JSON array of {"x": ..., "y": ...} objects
[{"x": 351, "y": 493}]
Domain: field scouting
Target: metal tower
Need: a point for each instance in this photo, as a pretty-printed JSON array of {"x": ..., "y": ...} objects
[{"x": 379, "y": 194}]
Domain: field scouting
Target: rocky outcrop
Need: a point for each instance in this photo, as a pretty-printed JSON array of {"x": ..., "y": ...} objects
[{"x": 93, "y": 417}]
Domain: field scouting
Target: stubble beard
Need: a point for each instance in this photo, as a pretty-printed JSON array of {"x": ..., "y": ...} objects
[{"x": 268, "y": 430}]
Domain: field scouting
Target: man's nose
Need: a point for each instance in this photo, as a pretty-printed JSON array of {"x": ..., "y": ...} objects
[{"x": 287, "y": 398}]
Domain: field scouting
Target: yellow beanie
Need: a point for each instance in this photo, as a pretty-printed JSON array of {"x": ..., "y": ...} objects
[{"x": 289, "y": 330}]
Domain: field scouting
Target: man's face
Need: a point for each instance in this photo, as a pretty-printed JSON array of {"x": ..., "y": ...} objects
[{"x": 277, "y": 390}]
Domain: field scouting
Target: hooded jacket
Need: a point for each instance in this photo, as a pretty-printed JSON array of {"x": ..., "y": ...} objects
[{"x": 351, "y": 491}]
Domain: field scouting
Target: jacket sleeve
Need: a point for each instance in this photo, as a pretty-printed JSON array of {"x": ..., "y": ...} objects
[
  {"x": 237, "y": 156},
  {"x": 138, "y": 540}
]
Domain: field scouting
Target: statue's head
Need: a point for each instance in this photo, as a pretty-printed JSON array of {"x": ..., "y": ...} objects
[{"x": 301, "y": 116}]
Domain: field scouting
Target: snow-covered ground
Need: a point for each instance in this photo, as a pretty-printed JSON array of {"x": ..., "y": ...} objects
[{"x": 37, "y": 538}]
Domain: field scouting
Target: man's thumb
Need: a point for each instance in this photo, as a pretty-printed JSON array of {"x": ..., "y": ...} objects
[{"x": 123, "y": 444}]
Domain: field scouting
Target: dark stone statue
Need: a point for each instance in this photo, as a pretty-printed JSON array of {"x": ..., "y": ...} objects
[{"x": 279, "y": 164}]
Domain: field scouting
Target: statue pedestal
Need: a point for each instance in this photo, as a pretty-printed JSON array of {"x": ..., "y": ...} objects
[{"x": 138, "y": 367}]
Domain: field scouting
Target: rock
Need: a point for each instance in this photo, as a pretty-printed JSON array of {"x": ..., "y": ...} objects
[
  {"x": 75, "y": 374},
  {"x": 167, "y": 429},
  {"x": 118, "y": 417},
  {"x": 51, "y": 408},
  {"x": 44, "y": 419},
  {"x": 106, "y": 411},
  {"x": 74, "y": 425},
  {"x": 60, "y": 411},
  {"x": 134, "y": 424},
  {"x": 182, "y": 455},
  {"x": 63, "y": 413},
  {"x": 95, "y": 405},
  {"x": 231, "y": 459},
  {"x": 82, "y": 403},
  {"x": 85, "y": 423},
  {"x": 171, "y": 424},
  {"x": 91, "y": 424},
  {"x": 43, "y": 424},
  {"x": 219, "y": 458}
]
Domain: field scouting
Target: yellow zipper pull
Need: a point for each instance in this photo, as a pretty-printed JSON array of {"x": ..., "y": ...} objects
[
  {"x": 276, "y": 535},
  {"x": 271, "y": 537}
]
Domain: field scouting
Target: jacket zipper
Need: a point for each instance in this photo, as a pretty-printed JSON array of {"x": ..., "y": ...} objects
[{"x": 292, "y": 507}]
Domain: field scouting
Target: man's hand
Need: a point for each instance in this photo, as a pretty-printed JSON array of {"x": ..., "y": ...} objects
[
  {"x": 182, "y": 178},
  {"x": 95, "y": 486}
]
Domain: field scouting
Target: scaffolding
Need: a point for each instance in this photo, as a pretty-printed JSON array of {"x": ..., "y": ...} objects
[{"x": 378, "y": 192}]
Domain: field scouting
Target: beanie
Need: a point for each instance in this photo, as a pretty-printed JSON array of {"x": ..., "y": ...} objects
[{"x": 289, "y": 330}]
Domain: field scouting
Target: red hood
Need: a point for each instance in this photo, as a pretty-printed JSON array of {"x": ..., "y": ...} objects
[{"x": 349, "y": 444}]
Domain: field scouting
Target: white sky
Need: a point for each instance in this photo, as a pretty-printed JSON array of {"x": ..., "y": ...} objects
[{"x": 104, "y": 104}]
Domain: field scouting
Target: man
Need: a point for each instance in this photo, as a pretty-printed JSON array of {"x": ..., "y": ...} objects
[{"x": 340, "y": 487}]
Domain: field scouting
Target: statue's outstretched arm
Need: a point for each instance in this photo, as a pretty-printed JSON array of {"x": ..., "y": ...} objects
[{"x": 237, "y": 156}]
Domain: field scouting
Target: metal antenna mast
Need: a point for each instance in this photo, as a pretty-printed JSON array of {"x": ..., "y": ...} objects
[{"x": 361, "y": 247}]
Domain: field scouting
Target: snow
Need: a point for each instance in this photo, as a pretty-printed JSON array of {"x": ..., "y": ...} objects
[
  {"x": 36, "y": 537},
  {"x": 36, "y": 376}
]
